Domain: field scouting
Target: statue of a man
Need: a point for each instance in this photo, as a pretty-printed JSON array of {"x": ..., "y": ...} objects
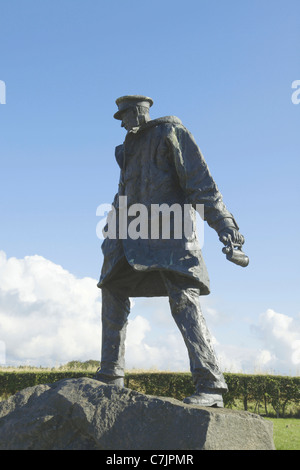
[{"x": 161, "y": 164}]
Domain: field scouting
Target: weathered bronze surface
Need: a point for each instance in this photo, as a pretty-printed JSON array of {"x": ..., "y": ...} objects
[{"x": 161, "y": 163}]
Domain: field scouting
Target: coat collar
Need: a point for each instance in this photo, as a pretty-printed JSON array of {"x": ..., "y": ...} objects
[
  {"x": 163, "y": 120},
  {"x": 119, "y": 153}
]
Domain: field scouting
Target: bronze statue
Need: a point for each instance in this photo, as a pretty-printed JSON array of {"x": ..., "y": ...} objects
[{"x": 162, "y": 166}]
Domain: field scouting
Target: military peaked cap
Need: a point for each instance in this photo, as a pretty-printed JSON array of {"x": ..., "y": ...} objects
[{"x": 129, "y": 101}]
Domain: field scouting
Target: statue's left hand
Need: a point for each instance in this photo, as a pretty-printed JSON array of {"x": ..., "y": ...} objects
[{"x": 236, "y": 236}]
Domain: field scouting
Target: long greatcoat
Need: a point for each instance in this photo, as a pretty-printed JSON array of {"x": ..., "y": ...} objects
[{"x": 161, "y": 163}]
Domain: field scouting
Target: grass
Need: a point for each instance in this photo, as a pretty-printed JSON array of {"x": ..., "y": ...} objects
[{"x": 286, "y": 433}]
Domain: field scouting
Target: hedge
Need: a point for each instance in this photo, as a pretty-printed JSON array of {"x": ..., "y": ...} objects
[{"x": 264, "y": 391}]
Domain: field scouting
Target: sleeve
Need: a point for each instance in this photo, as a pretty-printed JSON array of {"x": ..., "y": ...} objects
[{"x": 196, "y": 181}]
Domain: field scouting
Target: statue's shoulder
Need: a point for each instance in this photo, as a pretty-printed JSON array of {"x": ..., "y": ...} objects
[
  {"x": 166, "y": 121},
  {"x": 174, "y": 120}
]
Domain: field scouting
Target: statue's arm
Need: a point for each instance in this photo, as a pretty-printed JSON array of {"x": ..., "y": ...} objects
[{"x": 199, "y": 185}]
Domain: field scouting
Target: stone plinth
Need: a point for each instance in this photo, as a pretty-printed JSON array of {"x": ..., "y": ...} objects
[{"x": 86, "y": 414}]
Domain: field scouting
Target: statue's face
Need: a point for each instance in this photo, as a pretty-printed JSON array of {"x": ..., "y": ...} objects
[{"x": 129, "y": 119}]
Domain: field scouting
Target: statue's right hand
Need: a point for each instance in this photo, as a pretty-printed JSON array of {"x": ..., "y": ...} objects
[{"x": 233, "y": 234}]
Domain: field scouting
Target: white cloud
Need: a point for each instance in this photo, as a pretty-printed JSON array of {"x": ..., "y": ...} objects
[
  {"x": 280, "y": 336},
  {"x": 47, "y": 315},
  {"x": 147, "y": 351},
  {"x": 264, "y": 357},
  {"x": 2, "y": 353}
]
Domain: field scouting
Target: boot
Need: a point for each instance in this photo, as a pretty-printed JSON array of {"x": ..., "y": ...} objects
[
  {"x": 109, "y": 379},
  {"x": 205, "y": 399}
]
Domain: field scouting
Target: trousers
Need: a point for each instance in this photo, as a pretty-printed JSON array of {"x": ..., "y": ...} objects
[{"x": 185, "y": 308}]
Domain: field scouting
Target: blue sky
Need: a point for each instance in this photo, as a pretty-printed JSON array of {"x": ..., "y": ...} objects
[{"x": 226, "y": 70}]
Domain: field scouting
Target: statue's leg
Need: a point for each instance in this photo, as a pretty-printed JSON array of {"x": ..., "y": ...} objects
[
  {"x": 115, "y": 311},
  {"x": 185, "y": 307}
]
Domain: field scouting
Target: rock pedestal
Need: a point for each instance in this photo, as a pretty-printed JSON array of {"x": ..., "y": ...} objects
[{"x": 75, "y": 414}]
